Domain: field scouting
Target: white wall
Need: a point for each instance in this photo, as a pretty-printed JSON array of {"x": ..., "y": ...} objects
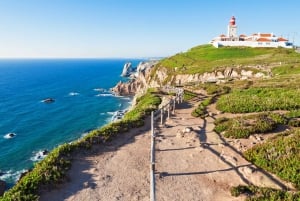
[{"x": 250, "y": 44}]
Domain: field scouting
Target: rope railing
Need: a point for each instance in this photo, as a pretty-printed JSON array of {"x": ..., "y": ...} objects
[{"x": 155, "y": 115}]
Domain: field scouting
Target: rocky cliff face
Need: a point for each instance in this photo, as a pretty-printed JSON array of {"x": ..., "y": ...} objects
[
  {"x": 142, "y": 79},
  {"x": 138, "y": 80},
  {"x": 127, "y": 70}
]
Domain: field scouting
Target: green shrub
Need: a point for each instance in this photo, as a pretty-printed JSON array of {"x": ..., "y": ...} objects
[
  {"x": 243, "y": 127},
  {"x": 188, "y": 95},
  {"x": 200, "y": 111},
  {"x": 294, "y": 122},
  {"x": 293, "y": 114},
  {"x": 214, "y": 89},
  {"x": 259, "y": 99},
  {"x": 255, "y": 193},
  {"x": 280, "y": 155}
]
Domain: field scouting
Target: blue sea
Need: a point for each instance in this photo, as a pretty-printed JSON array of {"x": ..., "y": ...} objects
[{"x": 80, "y": 88}]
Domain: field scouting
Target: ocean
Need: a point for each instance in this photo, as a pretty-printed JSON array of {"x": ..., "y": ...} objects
[{"x": 82, "y": 102}]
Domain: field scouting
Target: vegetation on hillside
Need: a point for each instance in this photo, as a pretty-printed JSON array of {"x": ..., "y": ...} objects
[
  {"x": 188, "y": 95},
  {"x": 279, "y": 155},
  {"x": 206, "y": 58},
  {"x": 52, "y": 170},
  {"x": 201, "y": 111},
  {"x": 244, "y": 126},
  {"x": 260, "y": 99},
  {"x": 255, "y": 193}
]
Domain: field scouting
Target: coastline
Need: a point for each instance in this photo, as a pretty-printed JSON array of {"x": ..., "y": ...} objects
[
  {"x": 61, "y": 155},
  {"x": 40, "y": 124}
]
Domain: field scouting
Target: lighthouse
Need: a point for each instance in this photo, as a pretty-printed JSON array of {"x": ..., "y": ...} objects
[{"x": 232, "y": 29}]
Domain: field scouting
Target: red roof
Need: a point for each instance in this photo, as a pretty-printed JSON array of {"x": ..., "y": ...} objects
[
  {"x": 242, "y": 36},
  {"x": 263, "y": 40},
  {"x": 282, "y": 39},
  {"x": 265, "y": 35}
]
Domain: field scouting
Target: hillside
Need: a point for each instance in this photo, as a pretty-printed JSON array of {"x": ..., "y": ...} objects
[
  {"x": 206, "y": 58},
  {"x": 205, "y": 62},
  {"x": 245, "y": 131},
  {"x": 266, "y": 107}
]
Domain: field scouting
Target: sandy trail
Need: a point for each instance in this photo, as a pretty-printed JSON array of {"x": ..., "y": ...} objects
[{"x": 196, "y": 165}]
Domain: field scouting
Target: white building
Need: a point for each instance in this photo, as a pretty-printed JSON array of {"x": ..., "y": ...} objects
[{"x": 254, "y": 40}]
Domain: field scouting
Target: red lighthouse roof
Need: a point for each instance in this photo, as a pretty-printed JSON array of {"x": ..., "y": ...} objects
[{"x": 232, "y": 21}]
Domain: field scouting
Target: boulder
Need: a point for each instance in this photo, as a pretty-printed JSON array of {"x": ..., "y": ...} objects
[
  {"x": 2, "y": 187},
  {"x": 228, "y": 72}
]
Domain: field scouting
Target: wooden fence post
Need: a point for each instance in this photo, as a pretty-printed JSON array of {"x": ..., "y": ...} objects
[
  {"x": 169, "y": 110},
  {"x": 152, "y": 161},
  {"x": 161, "y": 116},
  {"x": 174, "y": 103}
]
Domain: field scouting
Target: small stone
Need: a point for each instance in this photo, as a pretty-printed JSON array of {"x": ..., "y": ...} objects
[
  {"x": 86, "y": 184},
  {"x": 188, "y": 129}
]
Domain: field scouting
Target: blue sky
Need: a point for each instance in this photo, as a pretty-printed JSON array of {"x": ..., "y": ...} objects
[{"x": 132, "y": 28}]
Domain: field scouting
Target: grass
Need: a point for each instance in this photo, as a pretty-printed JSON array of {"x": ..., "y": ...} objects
[
  {"x": 188, "y": 95},
  {"x": 255, "y": 193},
  {"x": 215, "y": 89},
  {"x": 52, "y": 170},
  {"x": 206, "y": 58},
  {"x": 279, "y": 155},
  {"x": 200, "y": 111},
  {"x": 286, "y": 70},
  {"x": 260, "y": 99},
  {"x": 243, "y": 127}
]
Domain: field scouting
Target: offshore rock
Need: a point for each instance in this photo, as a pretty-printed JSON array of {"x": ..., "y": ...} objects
[
  {"x": 138, "y": 81},
  {"x": 127, "y": 70}
]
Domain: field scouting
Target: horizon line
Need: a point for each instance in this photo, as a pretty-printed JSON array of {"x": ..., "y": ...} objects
[{"x": 25, "y": 58}]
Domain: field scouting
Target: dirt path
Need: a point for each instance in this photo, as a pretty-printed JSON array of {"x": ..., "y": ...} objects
[
  {"x": 116, "y": 171},
  {"x": 192, "y": 163},
  {"x": 195, "y": 163}
]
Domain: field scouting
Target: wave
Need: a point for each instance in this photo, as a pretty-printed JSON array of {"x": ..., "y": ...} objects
[
  {"x": 39, "y": 155},
  {"x": 118, "y": 115},
  {"x": 9, "y": 135},
  {"x": 125, "y": 98},
  {"x": 100, "y": 89},
  {"x": 73, "y": 94},
  {"x": 104, "y": 95},
  {"x": 11, "y": 175},
  {"x": 118, "y": 96}
]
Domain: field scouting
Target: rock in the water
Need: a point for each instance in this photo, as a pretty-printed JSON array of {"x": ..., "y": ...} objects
[
  {"x": 2, "y": 187},
  {"x": 127, "y": 70},
  {"x": 48, "y": 100}
]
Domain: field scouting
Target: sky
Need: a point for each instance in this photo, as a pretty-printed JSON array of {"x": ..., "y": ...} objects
[{"x": 133, "y": 28}]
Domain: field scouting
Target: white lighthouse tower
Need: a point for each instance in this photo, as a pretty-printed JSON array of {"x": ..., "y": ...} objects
[{"x": 232, "y": 29}]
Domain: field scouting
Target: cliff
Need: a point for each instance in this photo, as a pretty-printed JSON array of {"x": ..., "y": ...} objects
[
  {"x": 205, "y": 63},
  {"x": 138, "y": 80},
  {"x": 127, "y": 70},
  {"x": 150, "y": 77}
]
